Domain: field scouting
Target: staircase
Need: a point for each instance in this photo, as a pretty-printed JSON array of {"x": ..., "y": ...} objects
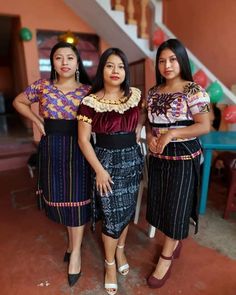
[
  {"x": 111, "y": 26},
  {"x": 129, "y": 25},
  {"x": 14, "y": 155},
  {"x": 16, "y": 143}
]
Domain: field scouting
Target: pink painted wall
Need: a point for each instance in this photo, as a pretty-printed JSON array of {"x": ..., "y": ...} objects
[
  {"x": 208, "y": 29},
  {"x": 150, "y": 75},
  {"x": 43, "y": 14}
]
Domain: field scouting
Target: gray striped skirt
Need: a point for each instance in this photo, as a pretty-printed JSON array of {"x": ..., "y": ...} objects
[{"x": 173, "y": 190}]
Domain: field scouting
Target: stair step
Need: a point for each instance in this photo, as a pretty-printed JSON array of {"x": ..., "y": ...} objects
[
  {"x": 7, "y": 150},
  {"x": 15, "y": 155},
  {"x": 13, "y": 163}
]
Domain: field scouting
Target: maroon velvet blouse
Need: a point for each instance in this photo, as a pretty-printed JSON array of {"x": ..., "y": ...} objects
[{"x": 107, "y": 116}]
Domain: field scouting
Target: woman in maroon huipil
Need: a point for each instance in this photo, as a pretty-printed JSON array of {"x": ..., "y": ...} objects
[{"x": 111, "y": 111}]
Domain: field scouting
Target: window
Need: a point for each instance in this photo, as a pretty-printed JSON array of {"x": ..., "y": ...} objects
[{"x": 87, "y": 46}]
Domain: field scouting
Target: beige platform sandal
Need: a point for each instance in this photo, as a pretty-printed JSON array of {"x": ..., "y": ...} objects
[
  {"x": 111, "y": 288},
  {"x": 123, "y": 269}
]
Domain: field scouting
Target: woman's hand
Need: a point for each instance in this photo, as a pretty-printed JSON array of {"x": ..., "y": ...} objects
[
  {"x": 162, "y": 141},
  {"x": 103, "y": 181},
  {"x": 22, "y": 104},
  {"x": 152, "y": 143},
  {"x": 40, "y": 126}
]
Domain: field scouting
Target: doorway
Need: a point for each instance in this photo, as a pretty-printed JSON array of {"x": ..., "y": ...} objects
[
  {"x": 12, "y": 75},
  {"x": 137, "y": 75}
]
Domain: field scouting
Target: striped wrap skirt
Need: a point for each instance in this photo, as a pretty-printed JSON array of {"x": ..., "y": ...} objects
[
  {"x": 64, "y": 174},
  {"x": 173, "y": 189},
  {"x": 125, "y": 166}
]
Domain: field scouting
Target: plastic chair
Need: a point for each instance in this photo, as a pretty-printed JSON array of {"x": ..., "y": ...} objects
[
  {"x": 143, "y": 184},
  {"x": 32, "y": 166},
  {"x": 225, "y": 162},
  {"x": 144, "y": 181},
  {"x": 231, "y": 196}
]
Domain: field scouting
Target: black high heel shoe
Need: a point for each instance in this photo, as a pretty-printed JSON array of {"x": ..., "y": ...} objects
[
  {"x": 66, "y": 257},
  {"x": 73, "y": 278}
]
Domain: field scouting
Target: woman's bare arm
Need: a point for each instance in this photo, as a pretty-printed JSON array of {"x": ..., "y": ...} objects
[
  {"x": 22, "y": 105},
  {"x": 103, "y": 179},
  {"x": 202, "y": 125}
]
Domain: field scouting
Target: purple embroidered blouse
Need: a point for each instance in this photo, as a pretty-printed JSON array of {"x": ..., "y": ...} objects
[{"x": 53, "y": 103}]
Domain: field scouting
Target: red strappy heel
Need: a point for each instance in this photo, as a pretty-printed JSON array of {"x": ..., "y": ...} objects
[{"x": 153, "y": 282}]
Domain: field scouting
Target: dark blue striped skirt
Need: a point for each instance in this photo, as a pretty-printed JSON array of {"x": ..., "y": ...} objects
[
  {"x": 64, "y": 180},
  {"x": 173, "y": 190},
  {"x": 117, "y": 209}
]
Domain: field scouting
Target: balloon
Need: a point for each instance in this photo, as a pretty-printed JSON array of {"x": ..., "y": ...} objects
[
  {"x": 158, "y": 37},
  {"x": 200, "y": 78},
  {"x": 229, "y": 114},
  {"x": 192, "y": 66},
  {"x": 215, "y": 92},
  {"x": 25, "y": 34}
]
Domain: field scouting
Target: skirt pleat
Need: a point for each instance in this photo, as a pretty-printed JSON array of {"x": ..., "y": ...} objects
[
  {"x": 173, "y": 192},
  {"x": 64, "y": 176}
]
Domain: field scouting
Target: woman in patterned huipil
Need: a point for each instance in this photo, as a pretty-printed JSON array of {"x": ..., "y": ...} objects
[
  {"x": 178, "y": 112},
  {"x": 111, "y": 111},
  {"x": 63, "y": 171}
]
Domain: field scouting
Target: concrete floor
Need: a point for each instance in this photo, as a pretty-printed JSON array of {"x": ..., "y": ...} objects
[{"x": 32, "y": 249}]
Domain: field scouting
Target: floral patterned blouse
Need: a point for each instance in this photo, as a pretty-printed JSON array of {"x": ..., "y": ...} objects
[
  {"x": 53, "y": 103},
  {"x": 169, "y": 108}
]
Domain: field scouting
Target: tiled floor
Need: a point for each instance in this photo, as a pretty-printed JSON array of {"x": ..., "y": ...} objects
[{"x": 32, "y": 249}]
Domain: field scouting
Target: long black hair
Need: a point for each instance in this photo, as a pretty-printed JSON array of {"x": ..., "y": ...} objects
[
  {"x": 83, "y": 76},
  {"x": 98, "y": 83},
  {"x": 182, "y": 57}
]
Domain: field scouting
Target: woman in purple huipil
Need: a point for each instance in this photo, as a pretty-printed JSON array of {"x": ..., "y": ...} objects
[{"x": 63, "y": 171}]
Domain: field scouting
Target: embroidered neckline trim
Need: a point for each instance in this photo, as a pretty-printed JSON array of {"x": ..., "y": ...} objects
[{"x": 119, "y": 106}]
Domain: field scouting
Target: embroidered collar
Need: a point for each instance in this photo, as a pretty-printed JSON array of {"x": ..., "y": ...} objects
[
  {"x": 119, "y": 106},
  {"x": 189, "y": 88}
]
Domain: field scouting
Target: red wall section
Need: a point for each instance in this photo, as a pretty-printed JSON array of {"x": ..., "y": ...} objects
[{"x": 208, "y": 29}]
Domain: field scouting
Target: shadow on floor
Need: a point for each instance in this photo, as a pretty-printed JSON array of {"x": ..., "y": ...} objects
[{"x": 32, "y": 249}]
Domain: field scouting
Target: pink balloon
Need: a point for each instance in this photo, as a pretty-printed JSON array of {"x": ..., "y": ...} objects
[
  {"x": 200, "y": 78},
  {"x": 229, "y": 114},
  {"x": 158, "y": 37}
]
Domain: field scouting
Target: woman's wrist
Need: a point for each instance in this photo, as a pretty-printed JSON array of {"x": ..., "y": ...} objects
[
  {"x": 36, "y": 119},
  {"x": 172, "y": 133},
  {"x": 99, "y": 170},
  {"x": 149, "y": 138}
]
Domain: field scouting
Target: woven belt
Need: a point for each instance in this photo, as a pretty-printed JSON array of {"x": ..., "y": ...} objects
[
  {"x": 60, "y": 126},
  {"x": 116, "y": 140},
  {"x": 177, "y": 123}
]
